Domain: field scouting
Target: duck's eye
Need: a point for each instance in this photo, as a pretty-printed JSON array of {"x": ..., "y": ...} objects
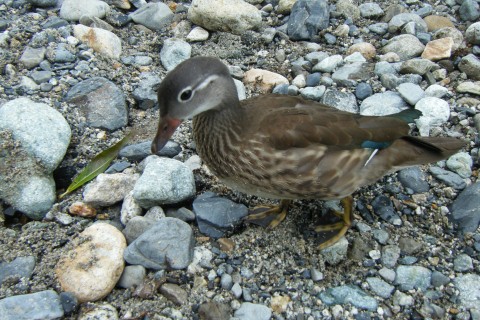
[{"x": 185, "y": 95}]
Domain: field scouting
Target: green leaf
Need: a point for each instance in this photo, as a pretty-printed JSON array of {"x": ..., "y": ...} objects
[{"x": 98, "y": 164}]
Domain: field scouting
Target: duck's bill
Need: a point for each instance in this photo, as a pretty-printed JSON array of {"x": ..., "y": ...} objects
[{"x": 166, "y": 127}]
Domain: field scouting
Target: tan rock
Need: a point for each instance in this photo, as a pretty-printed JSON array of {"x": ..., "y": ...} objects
[
  {"x": 279, "y": 304},
  {"x": 263, "y": 80},
  {"x": 437, "y": 22},
  {"x": 367, "y": 50},
  {"x": 469, "y": 87},
  {"x": 122, "y": 4},
  {"x": 101, "y": 41},
  {"x": 108, "y": 189},
  {"x": 285, "y": 6},
  {"x": 94, "y": 265},
  {"x": 82, "y": 210},
  {"x": 438, "y": 49}
]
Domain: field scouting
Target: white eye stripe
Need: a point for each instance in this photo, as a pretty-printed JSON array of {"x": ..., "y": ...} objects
[{"x": 206, "y": 82}]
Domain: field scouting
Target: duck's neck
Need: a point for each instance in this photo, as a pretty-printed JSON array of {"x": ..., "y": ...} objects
[{"x": 216, "y": 133}]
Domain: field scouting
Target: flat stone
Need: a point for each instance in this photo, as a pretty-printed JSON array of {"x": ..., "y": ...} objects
[
  {"x": 336, "y": 253},
  {"x": 370, "y": 10},
  {"x": 413, "y": 277},
  {"x": 307, "y": 19},
  {"x": 380, "y": 287},
  {"x": 450, "y": 32},
  {"x": 470, "y": 64},
  {"x": 411, "y": 93},
  {"x": 417, "y": 66},
  {"x": 469, "y": 87},
  {"x": 349, "y": 294},
  {"x": 21, "y": 267},
  {"x": 108, "y": 189},
  {"x": 155, "y": 15},
  {"x": 102, "y": 41},
  {"x": 435, "y": 112},
  {"x": 101, "y": 102},
  {"x": 400, "y": 20},
  {"x": 212, "y": 310},
  {"x": 413, "y": 178},
  {"x": 438, "y": 49},
  {"x": 174, "y": 293},
  {"x": 166, "y": 245},
  {"x": 249, "y": 311},
  {"x": 197, "y": 34},
  {"x": 174, "y": 51},
  {"x": 381, "y": 104},
  {"x": 31, "y": 57},
  {"x": 41, "y": 305},
  {"x": 72, "y": 10},
  {"x": 263, "y": 80},
  {"x": 94, "y": 265},
  {"x": 461, "y": 163},
  {"x": 405, "y": 46},
  {"x": 451, "y": 179},
  {"x": 132, "y": 276},
  {"x": 463, "y": 263},
  {"x": 328, "y": 64},
  {"x": 465, "y": 210},
  {"x": 233, "y": 16},
  {"x": 437, "y": 22},
  {"x": 468, "y": 286},
  {"x": 344, "y": 101}
]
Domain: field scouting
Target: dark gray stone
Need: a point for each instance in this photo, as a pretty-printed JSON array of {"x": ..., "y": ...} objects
[
  {"x": 69, "y": 302},
  {"x": 439, "y": 279},
  {"x": 313, "y": 79},
  {"x": 183, "y": 214},
  {"x": 217, "y": 215},
  {"x": 469, "y": 10},
  {"x": 307, "y": 19},
  {"x": 21, "y": 267},
  {"x": 383, "y": 207},
  {"x": 450, "y": 178},
  {"x": 166, "y": 245},
  {"x": 363, "y": 90},
  {"x": 139, "y": 151},
  {"x": 101, "y": 101},
  {"x": 54, "y": 22},
  {"x": 132, "y": 276},
  {"x": 349, "y": 74},
  {"x": 465, "y": 210},
  {"x": 41, "y": 76},
  {"x": 413, "y": 178},
  {"x": 145, "y": 93},
  {"x": 43, "y": 305}
]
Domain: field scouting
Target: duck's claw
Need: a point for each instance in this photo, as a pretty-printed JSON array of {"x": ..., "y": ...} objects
[
  {"x": 268, "y": 216},
  {"x": 335, "y": 231}
]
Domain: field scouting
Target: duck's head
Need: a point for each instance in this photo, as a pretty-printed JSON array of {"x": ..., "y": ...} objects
[{"x": 196, "y": 85}]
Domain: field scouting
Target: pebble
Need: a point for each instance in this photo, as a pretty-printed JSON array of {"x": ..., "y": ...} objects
[
  {"x": 390, "y": 255},
  {"x": 99, "y": 311},
  {"x": 450, "y": 32},
  {"x": 94, "y": 265},
  {"x": 41, "y": 305},
  {"x": 469, "y": 10},
  {"x": 461, "y": 163},
  {"x": 39, "y": 135},
  {"x": 436, "y": 91},
  {"x": 435, "y": 22},
  {"x": 469, "y": 87},
  {"x": 349, "y": 294},
  {"x": 379, "y": 28},
  {"x": 413, "y": 277},
  {"x": 439, "y": 279},
  {"x": 216, "y": 215},
  {"x": 382, "y": 104},
  {"x": 400, "y": 20},
  {"x": 410, "y": 92},
  {"x": 233, "y": 16},
  {"x": 144, "y": 93},
  {"x": 449, "y": 178},
  {"x": 435, "y": 112},
  {"x": 406, "y": 46},
  {"x": 101, "y": 102},
  {"x": 313, "y": 93},
  {"x": 212, "y": 310},
  {"x": 410, "y": 246},
  {"x": 348, "y": 75},
  {"x": 31, "y": 57},
  {"x": 174, "y": 51},
  {"x": 21, "y": 267},
  {"x": 470, "y": 64},
  {"x": 472, "y": 35},
  {"x": 263, "y": 80},
  {"x": 250, "y": 311},
  {"x": 468, "y": 286},
  {"x": 328, "y": 64},
  {"x": 236, "y": 290},
  {"x": 387, "y": 274},
  {"x": 367, "y": 50},
  {"x": 463, "y": 263},
  {"x": 370, "y": 10},
  {"x": 69, "y": 302},
  {"x": 344, "y": 101},
  {"x": 136, "y": 226},
  {"x": 174, "y": 293},
  {"x": 154, "y": 16},
  {"x": 72, "y": 10},
  {"x": 414, "y": 179},
  {"x": 132, "y": 276},
  {"x": 381, "y": 236},
  {"x": 167, "y": 244},
  {"x": 315, "y": 12},
  {"x": 465, "y": 210},
  {"x": 363, "y": 90},
  {"x": 108, "y": 189},
  {"x": 197, "y": 34},
  {"x": 130, "y": 208},
  {"x": 177, "y": 182},
  {"x": 139, "y": 151},
  {"x": 336, "y": 253},
  {"x": 402, "y": 299},
  {"x": 438, "y": 49},
  {"x": 102, "y": 41},
  {"x": 226, "y": 281},
  {"x": 417, "y": 66},
  {"x": 380, "y": 287}
]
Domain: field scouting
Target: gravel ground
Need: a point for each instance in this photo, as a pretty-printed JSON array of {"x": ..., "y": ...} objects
[{"x": 279, "y": 269}]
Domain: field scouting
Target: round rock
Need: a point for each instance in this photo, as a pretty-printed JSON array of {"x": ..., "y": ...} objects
[{"x": 94, "y": 265}]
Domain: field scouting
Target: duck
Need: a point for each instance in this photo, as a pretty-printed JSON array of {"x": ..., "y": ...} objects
[{"x": 285, "y": 147}]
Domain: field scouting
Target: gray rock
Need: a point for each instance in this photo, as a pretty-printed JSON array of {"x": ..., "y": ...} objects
[
  {"x": 463, "y": 263},
  {"x": 465, "y": 210},
  {"x": 183, "y": 214},
  {"x": 316, "y": 56},
  {"x": 168, "y": 244},
  {"x": 363, "y": 90},
  {"x": 470, "y": 64},
  {"x": 472, "y": 35},
  {"x": 72, "y": 10},
  {"x": 214, "y": 310},
  {"x": 410, "y": 92},
  {"x": 424, "y": 11},
  {"x": 417, "y": 66},
  {"x": 435, "y": 112},
  {"x": 43, "y": 3},
  {"x": 348, "y": 75},
  {"x": 384, "y": 67},
  {"x": 226, "y": 281},
  {"x": 31, "y": 57},
  {"x": 69, "y": 302},
  {"x": 336, "y": 253},
  {"x": 216, "y": 215},
  {"x": 135, "y": 227},
  {"x": 439, "y": 279},
  {"x": 413, "y": 277},
  {"x": 402, "y": 299},
  {"x": 108, "y": 189},
  {"x": 41, "y": 76},
  {"x": 400, "y": 20},
  {"x": 34, "y": 138},
  {"x": 177, "y": 182},
  {"x": 405, "y": 45},
  {"x": 328, "y": 64},
  {"x": 101, "y": 102},
  {"x": 155, "y": 15},
  {"x": 132, "y": 276},
  {"x": 468, "y": 286},
  {"x": 461, "y": 163},
  {"x": 383, "y": 207},
  {"x": 370, "y": 10},
  {"x": 21, "y": 267},
  {"x": 380, "y": 287},
  {"x": 381, "y": 236},
  {"x": 313, "y": 93},
  {"x": 349, "y": 294},
  {"x": 344, "y": 101},
  {"x": 410, "y": 246},
  {"x": 469, "y": 10},
  {"x": 44, "y": 305},
  {"x": 54, "y": 22},
  {"x": 139, "y": 151},
  {"x": 413, "y": 178},
  {"x": 316, "y": 274},
  {"x": 250, "y": 311},
  {"x": 28, "y": 85},
  {"x": 307, "y": 19},
  {"x": 451, "y": 179},
  {"x": 173, "y": 52},
  {"x": 436, "y": 91},
  {"x": 174, "y": 293},
  {"x": 387, "y": 274},
  {"x": 379, "y": 28},
  {"x": 60, "y": 54},
  {"x": 313, "y": 79},
  {"x": 145, "y": 93},
  {"x": 382, "y": 104},
  {"x": 236, "y": 290},
  {"x": 390, "y": 255}
]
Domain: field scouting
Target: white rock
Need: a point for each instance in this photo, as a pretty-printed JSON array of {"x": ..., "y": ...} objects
[
  {"x": 436, "y": 90},
  {"x": 94, "y": 265},
  {"x": 100, "y": 40},
  {"x": 103, "y": 311},
  {"x": 263, "y": 80},
  {"x": 108, "y": 189},
  {"x": 299, "y": 81},
  {"x": 130, "y": 209},
  {"x": 328, "y": 64},
  {"x": 435, "y": 113},
  {"x": 197, "y": 34},
  {"x": 73, "y": 9},
  {"x": 235, "y": 16}
]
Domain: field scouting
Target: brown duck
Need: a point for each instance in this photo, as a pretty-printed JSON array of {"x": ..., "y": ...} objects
[{"x": 284, "y": 147}]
